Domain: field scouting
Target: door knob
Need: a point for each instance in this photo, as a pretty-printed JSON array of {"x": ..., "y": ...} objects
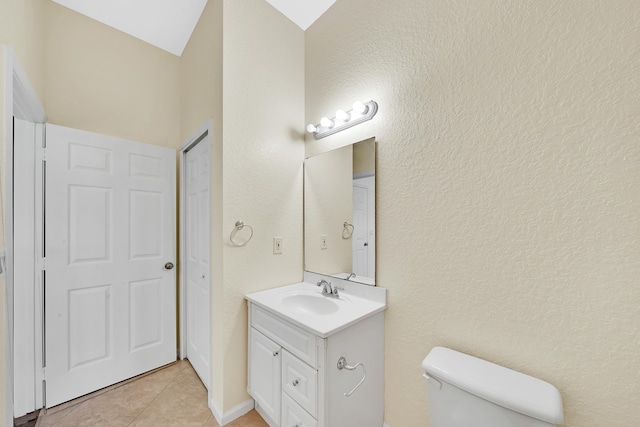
[{"x": 168, "y": 266}]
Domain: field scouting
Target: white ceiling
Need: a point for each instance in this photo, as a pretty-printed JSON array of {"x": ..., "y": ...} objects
[
  {"x": 302, "y": 12},
  {"x": 168, "y": 24}
]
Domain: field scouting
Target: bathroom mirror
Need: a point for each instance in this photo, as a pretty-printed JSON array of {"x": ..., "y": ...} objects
[{"x": 339, "y": 213}]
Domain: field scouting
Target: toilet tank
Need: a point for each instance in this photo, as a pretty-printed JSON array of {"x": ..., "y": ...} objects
[{"x": 465, "y": 391}]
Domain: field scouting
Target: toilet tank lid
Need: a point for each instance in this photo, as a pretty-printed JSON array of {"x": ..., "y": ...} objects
[{"x": 504, "y": 387}]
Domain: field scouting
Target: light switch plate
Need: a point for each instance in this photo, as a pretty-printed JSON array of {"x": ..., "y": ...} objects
[{"x": 277, "y": 245}]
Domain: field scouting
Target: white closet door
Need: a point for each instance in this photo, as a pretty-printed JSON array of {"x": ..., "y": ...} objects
[
  {"x": 359, "y": 236},
  {"x": 197, "y": 256},
  {"x": 110, "y": 231}
]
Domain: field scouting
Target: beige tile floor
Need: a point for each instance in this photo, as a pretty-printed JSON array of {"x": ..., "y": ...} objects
[{"x": 172, "y": 396}]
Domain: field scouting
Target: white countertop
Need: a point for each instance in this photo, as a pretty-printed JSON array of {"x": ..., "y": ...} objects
[{"x": 356, "y": 302}]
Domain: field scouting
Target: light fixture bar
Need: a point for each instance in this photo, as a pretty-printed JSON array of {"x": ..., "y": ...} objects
[{"x": 361, "y": 112}]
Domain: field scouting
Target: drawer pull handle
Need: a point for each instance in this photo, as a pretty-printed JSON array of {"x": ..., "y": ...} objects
[
  {"x": 275, "y": 353},
  {"x": 295, "y": 383},
  {"x": 343, "y": 364}
]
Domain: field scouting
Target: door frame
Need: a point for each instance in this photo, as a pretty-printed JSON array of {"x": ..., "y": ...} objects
[
  {"x": 21, "y": 101},
  {"x": 202, "y": 135}
]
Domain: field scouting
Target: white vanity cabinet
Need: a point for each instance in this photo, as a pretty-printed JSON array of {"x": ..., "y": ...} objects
[{"x": 293, "y": 372}]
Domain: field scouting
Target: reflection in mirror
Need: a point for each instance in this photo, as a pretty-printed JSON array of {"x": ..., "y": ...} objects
[{"x": 339, "y": 213}]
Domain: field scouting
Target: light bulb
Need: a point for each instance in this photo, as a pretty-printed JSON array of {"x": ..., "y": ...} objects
[
  {"x": 342, "y": 115},
  {"x": 327, "y": 123},
  {"x": 311, "y": 128},
  {"x": 360, "y": 107}
]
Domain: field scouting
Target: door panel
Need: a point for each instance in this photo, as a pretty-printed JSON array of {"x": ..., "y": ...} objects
[
  {"x": 145, "y": 240},
  {"x": 90, "y": 326},
  {"x": 110, "y": 228}
]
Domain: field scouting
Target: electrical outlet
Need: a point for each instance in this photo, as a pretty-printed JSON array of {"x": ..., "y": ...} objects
[
  {"x": 323, "y": 242},
  {"x": 277, "y": 245}
]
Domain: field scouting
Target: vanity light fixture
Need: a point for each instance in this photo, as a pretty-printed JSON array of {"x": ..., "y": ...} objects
[
  {"x": 343, "y": 115},
  {"x": 361, "y": 112},
  {"x": 326, "y": 123},
  {"x": 360, "y": 107}
]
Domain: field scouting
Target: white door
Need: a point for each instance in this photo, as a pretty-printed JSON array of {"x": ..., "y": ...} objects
[
  {"x": 110, "y": 300},
  {"x": 197, "y": 256},
  {"x": 360, "y": 227}
]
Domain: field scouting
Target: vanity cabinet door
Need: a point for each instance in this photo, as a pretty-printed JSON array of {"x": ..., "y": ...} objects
[
  {"x": 294, "y": 416},
  {"x": 265, "y": 373}
]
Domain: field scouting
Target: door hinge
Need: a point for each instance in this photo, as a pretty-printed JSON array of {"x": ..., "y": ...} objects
[{"x": 41, "y": 375}]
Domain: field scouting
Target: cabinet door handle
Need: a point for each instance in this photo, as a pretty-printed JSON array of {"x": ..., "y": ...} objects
[
  {"x": 275, "y": 353},
  {"x": 295, "y": 383}
]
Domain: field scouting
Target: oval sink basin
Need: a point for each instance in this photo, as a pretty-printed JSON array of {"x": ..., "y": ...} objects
[{"x": 310, "y": 304}]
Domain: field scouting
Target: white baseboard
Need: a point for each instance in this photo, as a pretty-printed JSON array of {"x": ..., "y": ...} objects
[
  {"x": 232, "y": 414},
  {"x": 385, "y": 425}
]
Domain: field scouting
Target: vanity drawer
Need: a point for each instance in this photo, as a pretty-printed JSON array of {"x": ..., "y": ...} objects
[
  {"x": 294, "y": 416},
  {"x": 299, "y": 342},
  {"x": 300, "y": 382}
]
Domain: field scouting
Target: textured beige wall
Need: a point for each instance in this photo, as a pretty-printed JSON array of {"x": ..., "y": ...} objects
[
  {"x": 508, "y": 186},
  {"x": 201, "y": 74},
  {"x": 22, "y": 27},
  {"x": 263, "y": 153},
  {"x": 201, "y": 100},
  {"x": 328, "y": 203},
  {"x": 364, "y": 157},
  {"x": 102, "y": 80}
]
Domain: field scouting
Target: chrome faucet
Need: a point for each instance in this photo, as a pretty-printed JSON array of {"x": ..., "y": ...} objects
[
  {"x": 328, "y": 290},
  {"x": 326, "y": 287},
  {"x": 351, "y": 275}
]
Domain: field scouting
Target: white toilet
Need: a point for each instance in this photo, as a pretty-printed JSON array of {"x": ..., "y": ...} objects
[{"x": 465, "y": 391}]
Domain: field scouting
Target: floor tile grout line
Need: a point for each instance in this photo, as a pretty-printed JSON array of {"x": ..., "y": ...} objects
[
  {"x": 74, "y": 407},
  {"x": 156, "y": 396},
  {"x": 182, "y": 375}
]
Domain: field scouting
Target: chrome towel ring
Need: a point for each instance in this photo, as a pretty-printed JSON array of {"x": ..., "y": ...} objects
[
  {"x": 239, "y": 226},
  {"x": 343, "y": 364},
  {"x": 347, "y": 231}
]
